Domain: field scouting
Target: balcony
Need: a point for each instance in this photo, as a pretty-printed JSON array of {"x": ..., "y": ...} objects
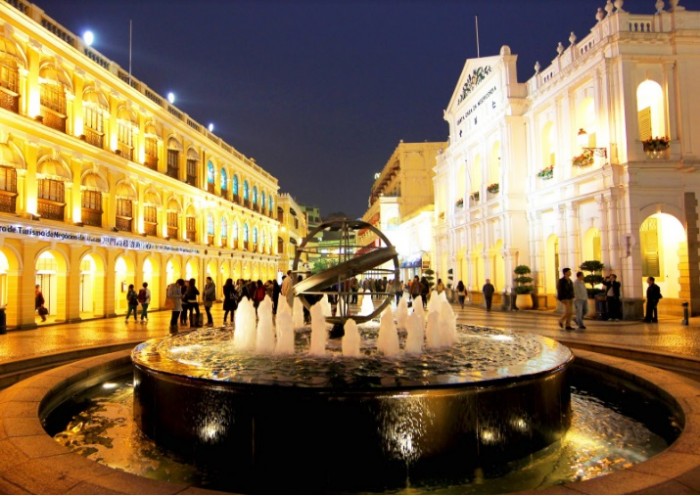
[
  {"x": 8, "y": 202},
  {"x": 94, "y": 138},
  {"x": 172, "y": 232},
  {"x": 172, "y": 172},
  {"x": 211, "y": 188},
  {"x": 150, "y": 228},
  {"x": 151, "y": 162},
  {"x": 123, "y": 224},
  {"x": 91, "y": 217},
  {"x": 52, "y": 210}
]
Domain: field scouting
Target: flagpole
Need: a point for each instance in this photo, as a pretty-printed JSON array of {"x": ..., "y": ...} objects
[
  {"x": 130, "y": 32},
  {"x": 476, "y": 23}
]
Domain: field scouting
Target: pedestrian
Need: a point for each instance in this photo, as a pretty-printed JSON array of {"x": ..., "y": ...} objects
[
  {"x": 173, "y": 295},
  {"x": 461, "y": 293},
  {"x": 398, "y": 289},
  {"x": 144, "y": 298},
  {"x": 287, "y": 284},
  {"x": 580, "y": 300},
  {"x": 192, "y": 299},
  {"x": 415, "y": 288},
  {"x": 612, "y": 297},
  {"x": 565, "y": 294},
  {"x": 132, "y": 302},
  {"x": 276, "y": 288},
  {"x": 39, "y": 303},
  {"x": 230, "y": 299},
  {"x": 185, "y": 305},
  {"x": 424, "y": 290},
  {"x": 258, "y": 294},
  {"x": 440, "y": 286},
  {"x": 209, "y": 298},
  {"x": 653, "y": 297},
  {"x": 488, "y": 290}
]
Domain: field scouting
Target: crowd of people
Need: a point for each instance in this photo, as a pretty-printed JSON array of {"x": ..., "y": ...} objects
[{"x": 183, "y": 297}]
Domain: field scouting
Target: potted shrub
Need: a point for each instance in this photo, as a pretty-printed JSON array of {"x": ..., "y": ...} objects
[
  {"x": 523, "y": 287},
  {"x": 593, "y": 278}
]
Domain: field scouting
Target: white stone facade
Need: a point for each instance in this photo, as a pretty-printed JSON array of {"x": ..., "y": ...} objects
[{"x": 565, "y": 167}]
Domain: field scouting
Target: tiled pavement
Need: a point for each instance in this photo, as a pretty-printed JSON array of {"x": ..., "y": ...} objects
[{"x": 669, "y": 337}]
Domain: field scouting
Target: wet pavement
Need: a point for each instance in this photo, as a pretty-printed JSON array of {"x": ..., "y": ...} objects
[{"x": 668, "y": 337}]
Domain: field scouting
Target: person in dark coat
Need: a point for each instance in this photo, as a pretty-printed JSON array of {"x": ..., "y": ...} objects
[
  {"x": 653, "y": 297},
  {"x": 612, "y": 297},
  {"x": 565, "y": 294},
  {"x": 488, "y": 290},
  {"x": 230, "y": 299}
]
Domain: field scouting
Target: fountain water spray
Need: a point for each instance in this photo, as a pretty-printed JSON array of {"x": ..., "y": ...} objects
[
  {"x": 388, "y": 339},
  {"x": 265, "y": 338},
  {"x": 351, "y": 340},
  {"x": 285, "y": 329},
  {"x": 244, "y": 336}
]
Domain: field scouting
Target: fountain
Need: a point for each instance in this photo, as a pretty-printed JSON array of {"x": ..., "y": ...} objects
[{"x": 371, "y": 412}]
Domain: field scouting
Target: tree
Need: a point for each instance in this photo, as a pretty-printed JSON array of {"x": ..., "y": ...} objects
[
  {"x": 594, "y": 276},
  {"x": 523, "y": 280},
  {"x": 428, "y": 274}
]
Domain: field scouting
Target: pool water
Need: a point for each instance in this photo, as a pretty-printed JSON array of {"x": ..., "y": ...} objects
[{"x": 601, "y": 440}]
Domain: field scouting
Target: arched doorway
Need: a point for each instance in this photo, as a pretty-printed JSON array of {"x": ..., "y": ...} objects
[
  {"x": 551, "y": 267},
  {"x": 92, "y": 292},
  {"x": 151, "y": 275},
  {"x": 664, "y": 256},
  {"x": 124, "y": 275},
  {"x": 50, "y": 275}
]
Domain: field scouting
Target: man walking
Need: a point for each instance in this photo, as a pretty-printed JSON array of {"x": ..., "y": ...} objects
[
  {"x": 565, "y": 294},
  {"x": 580, "y": 300},
  {"x": 653, "y": 297},
  {"x": 488, "y": 291},
  {"x": 174, "y": 295}
]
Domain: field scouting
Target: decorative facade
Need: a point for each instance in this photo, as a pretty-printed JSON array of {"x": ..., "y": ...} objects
[
  {"x": 293, "y": 229},
  {"x": 104, "y": 183},
  {"x": 595, "y": 157},
  {"x": 401, "y": 192}
]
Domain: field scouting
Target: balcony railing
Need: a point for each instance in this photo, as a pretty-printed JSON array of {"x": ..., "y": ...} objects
[
  {"x": 151, "y": 162},
  {"x": 150, "y": 228},
  {"x": 92, "y": 217},
  {"x": 8, "y": 202},
  {"x": 51, "y": 210},
  {"x": 172, "y": 172},
  {"x": 94, "y": 138},
  {"x": 211, "y": 188},
  {"x": 172, "y": 232},
  {"x": 192, "y": 235},
  {"x": 123, "y": 224}
]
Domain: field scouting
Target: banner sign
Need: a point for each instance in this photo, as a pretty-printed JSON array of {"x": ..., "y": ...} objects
[{"x": 52, "y": 234}]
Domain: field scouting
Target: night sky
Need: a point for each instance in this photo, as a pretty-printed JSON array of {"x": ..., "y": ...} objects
[{"x": 321, "y": 92}]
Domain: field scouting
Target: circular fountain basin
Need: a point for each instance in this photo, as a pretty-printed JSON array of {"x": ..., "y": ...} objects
[{"x": 300, "y": 423}]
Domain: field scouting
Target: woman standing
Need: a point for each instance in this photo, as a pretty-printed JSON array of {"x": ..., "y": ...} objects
[
  {"x": 192, "y": 299},
  {"x": 209, "y": 299},
  {"x": 461, "y": 293},
  {"x": 132, "y": 301},
  {"x": 230, "y": 299}
]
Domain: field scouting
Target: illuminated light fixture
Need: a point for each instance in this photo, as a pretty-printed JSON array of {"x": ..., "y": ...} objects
[
  {"x": 89, "y": 37},
  {"x": 171, "y": 97},
  {"x": 582, "y": 139},
  {"x": 211, "y": 127}
]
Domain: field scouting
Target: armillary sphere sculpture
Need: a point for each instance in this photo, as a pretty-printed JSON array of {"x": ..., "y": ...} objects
[{"x": 342, "y": 258}]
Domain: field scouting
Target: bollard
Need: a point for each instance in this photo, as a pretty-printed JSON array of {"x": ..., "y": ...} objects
[
  {"x": 685, "y": 313},
  {"x": 3, "y": 321}
]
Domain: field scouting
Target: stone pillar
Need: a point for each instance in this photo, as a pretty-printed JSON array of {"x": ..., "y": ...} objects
[
  {"x": 25, "y": 316},
  {"x": 693, "y": 235},
  {"x": 73, "y": 284}
]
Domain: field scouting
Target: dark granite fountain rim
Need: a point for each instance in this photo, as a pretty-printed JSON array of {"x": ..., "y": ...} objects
[
  {"x": 539, "y": 356},
  {"x": 32, "y": 462}
]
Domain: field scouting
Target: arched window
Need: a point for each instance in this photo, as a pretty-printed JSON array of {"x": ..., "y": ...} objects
[
  {"x": 224, "y": 183},
  {"x": 235, "y": 188},
  {"x": 245, "y": 234},
  {"x": 174, "y": 149},
  {"x": 191, "y": 224},
  {"x": 650, "y": 110},
  {"x": 173, "y": 219},
  {"x": 191, "y": 178},
  {"x": 151, "y": 206},
  {"x": 255, "y": 196},
  {"x": 246, "y": 191},
  {"x": 8, "y": 179},
  {"x": 126, "y": 128},
  {"x": 95, "y": 107},
  {"x": 211, "y": 176},
  {"x": 9, "y": 75},
  {"x": 234, "y": 232},
  {"x": 262, "y": 200},
  {"x": 52, "y": 96},
  {"x": 91, "y": 191},
  {"x": 224, "y": 232},
  {"x": 126, "y": 196},
  {"x": 52, "y": 175},
  {"x": 210, "y": 230},
  {"x": 151, "y": 146}
]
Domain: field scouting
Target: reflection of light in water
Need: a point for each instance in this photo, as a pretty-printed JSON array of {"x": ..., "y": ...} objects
[
  {"x": 520, "y": 424},
  {"x": 210, "y": 430},
  {"x": 110, "y": 385}
]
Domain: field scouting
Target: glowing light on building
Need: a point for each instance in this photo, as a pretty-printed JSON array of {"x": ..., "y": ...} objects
[{"x": 89, "y": 37}]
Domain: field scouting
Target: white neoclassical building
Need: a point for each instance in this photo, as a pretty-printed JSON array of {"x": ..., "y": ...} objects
[{"x": 595, "y": 157}]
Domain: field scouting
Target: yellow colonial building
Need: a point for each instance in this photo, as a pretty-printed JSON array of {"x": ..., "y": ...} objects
[
  {"x": 293, "y": 230},
  {"x": 104, "y": 183}
]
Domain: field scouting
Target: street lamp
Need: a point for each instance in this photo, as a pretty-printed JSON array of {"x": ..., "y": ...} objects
[
  {"x": 89, "y": 37},
  {"x": 171, "y": 97},
  {"x": 582, "y": 139},
  {"x": 211, "y": 127}
]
